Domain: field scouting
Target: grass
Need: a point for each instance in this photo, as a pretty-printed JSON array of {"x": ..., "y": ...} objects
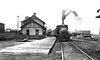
[{"x": 89, "y": 47}]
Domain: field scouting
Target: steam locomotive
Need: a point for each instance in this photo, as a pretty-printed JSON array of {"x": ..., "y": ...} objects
[{"x": 61, "y": 33}]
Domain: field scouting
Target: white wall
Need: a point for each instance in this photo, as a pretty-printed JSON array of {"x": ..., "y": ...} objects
[
  {"x": 24, "y": 31},
  {"x": 32, "y": 31}
]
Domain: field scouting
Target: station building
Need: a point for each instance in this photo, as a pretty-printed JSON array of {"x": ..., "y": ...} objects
[{"x": 33, "y": 26}]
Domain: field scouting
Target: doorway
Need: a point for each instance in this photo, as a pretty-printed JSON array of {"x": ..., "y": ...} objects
[
  {"x": 37, "y": 32},
  {"x": 27, "y": 32}
]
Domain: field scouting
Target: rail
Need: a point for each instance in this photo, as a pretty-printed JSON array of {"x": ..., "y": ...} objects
[
  {"x": 62, "y": 52},
  {"x": 82, "y": 51}
]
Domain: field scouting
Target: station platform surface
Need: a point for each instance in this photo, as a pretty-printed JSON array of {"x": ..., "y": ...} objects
[{"x": 37, "y": 46}]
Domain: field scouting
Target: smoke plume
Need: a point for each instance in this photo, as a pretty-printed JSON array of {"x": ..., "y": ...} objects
[{"x": 78, "y": 19}]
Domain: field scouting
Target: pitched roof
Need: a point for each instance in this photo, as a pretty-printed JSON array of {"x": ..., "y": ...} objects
[
  {"x": 32, "y": 18},
  {"x": 29, "y": 22}
]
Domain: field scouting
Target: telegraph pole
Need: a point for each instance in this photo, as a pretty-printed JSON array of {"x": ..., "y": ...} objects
[
  {"x": 18, "y": 22},
  {"x": 98, "y": 17}
]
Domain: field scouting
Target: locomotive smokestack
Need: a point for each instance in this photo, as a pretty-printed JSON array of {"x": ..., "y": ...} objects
[{"x": 63, "y": 16}]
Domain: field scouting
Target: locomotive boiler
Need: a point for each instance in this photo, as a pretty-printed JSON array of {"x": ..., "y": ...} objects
[{"x": 62, "y": 34}]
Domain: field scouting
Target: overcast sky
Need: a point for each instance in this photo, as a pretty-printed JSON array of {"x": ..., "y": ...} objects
[{"x": 50, "y": 11}]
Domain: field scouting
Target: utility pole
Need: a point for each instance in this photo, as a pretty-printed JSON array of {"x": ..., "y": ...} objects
[
  {"x": 98, "y": 17},
  {"x": 18, "y": 22}
]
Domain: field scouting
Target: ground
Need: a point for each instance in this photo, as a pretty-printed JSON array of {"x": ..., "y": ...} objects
[{"x": 27, "y": 56}]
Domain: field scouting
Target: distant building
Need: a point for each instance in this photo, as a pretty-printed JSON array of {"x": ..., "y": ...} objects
[
  {"x": 2, "y": 27},
  {"x": 32, "y": 26},
  {"x": 8, "y": 30},
  {"x": 12, "y": 30},
  {"x": 84, "y": 33}
]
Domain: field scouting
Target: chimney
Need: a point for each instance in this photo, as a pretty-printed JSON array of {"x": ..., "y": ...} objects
[{"x": 34, "y": 14}]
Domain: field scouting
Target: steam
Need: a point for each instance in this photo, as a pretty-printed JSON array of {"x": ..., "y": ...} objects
[
  {"x": 79, "y": 22},
  {"x": 74, "y": 12},
  {"x": 65, "y": 13},
  {"x": 78, "y": 19}
]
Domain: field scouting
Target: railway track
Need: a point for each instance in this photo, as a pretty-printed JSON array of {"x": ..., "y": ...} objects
[
  {"x": 82, "y": 51},
  {"x": 70, "y": 51}
]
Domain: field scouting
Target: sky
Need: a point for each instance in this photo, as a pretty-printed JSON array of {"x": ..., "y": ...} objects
[{"x": 50, "y": 11}]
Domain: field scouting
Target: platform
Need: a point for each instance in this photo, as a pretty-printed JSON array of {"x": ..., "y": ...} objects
[{"x": 37, "y": 46}]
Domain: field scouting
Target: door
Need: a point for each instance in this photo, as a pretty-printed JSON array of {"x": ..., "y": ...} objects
[
  {"x": 27, "y": 32},
  {"x": 37, "y": 32}
]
